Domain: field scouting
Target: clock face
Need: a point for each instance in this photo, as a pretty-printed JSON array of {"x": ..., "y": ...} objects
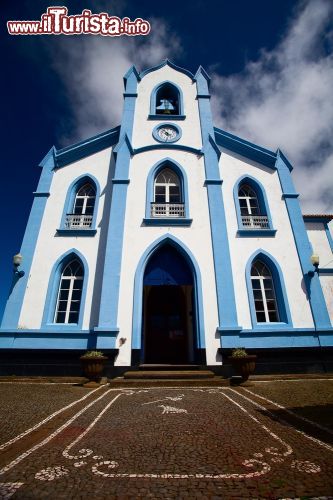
[{"x": 167, "y": 133}]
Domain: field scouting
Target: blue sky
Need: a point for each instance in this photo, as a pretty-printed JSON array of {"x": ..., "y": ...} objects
[{"x": 272, "y": 78}]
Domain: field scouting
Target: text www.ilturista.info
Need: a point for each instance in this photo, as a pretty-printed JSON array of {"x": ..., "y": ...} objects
[{"x": 57, "y": 22}]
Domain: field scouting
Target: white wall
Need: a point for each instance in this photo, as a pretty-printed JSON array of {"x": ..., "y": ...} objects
[
  {"x": 142, "y": 132},
  {"x": 281, "y": 247},
  {"x": 50, "y": 246},
  {"x": 327, "y": 286},
  {"x": 137, "y": 238},
  {"x": 320, "y": 244}
]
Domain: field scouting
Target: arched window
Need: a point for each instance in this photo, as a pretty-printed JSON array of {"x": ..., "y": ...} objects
[
  {"x": 252, "y": 209},
  {"x": 167, "y": 195},
  {"x": 70, "y": 293},
  {"x": 264, "y": 293},
  {"x": 166, "y": 99},
  {"x": 253, "y": 215},
  {"x": 83, "y": 208}
]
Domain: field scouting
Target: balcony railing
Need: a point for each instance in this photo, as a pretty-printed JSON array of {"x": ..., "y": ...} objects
[
  {"x": 255, "y": 221},
  {"x": 78, "y": 221},
  {"x": 167, "y": 210}
]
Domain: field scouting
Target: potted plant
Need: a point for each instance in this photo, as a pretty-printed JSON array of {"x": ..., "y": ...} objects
[
  {"x": 244, "y": 364},
  {"x": 93, "y": 364}
]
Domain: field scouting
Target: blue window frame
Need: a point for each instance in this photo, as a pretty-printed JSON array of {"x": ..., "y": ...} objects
[
  {"x": 166, "y": 102},
  {"x": 80, "y": 209},
  {"x": 66, "y": 294},
  {"x": 267, "y": 293},
  {"x": 252, "y": 209},
  {"x": 167, "y": 195}
]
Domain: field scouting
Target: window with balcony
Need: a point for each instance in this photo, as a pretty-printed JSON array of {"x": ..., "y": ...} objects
[
  {"x": 80, "y": 209},
  {"x": 252, "y": 217},
  {"x": 83, "y": 208},
  {"x": 252, "y": 208},
  {"x": 167, "y": 195}
]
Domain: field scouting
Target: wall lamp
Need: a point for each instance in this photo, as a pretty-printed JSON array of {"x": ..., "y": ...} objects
[
  {"x": 17, "y": 260},
  {"x": 315, "y": 262}
]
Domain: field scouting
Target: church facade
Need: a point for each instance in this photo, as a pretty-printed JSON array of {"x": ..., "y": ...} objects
[{"x": 167, "y": 240}]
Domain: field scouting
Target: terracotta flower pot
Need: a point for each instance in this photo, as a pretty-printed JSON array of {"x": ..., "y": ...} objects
[
  {"x": 93, "y": 367},
  {"x": 244, "y": 365}
]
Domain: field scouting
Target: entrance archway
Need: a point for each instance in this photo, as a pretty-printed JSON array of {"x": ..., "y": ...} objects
[{"x": 168, "y": 308}]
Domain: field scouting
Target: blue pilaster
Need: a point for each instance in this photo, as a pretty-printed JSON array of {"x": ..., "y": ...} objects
[
  {"x": 13, "y": 308},
  {"x": 222, "y": 262},
  {"x": 313, "y": 287},
  {"x": 108, "y": 314}
]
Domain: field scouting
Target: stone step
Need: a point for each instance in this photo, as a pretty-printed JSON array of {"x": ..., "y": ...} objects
[
  {"x": 157, "y": 367},
  {"x": 122, "y": 383},
  {"x": 169, "y": 374}
]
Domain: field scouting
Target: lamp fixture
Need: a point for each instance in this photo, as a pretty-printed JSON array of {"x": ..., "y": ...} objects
[
  {"x": 17, "y": 260},
  {"x": 315, "y": 262}
]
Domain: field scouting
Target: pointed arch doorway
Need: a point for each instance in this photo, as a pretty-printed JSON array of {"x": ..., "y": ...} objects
[{"x": 168, "y": 308}]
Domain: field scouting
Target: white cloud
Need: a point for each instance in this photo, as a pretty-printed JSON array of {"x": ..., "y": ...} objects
[
  {"x": 284, "y": 99},
  {"x": 92, "y": 69}
]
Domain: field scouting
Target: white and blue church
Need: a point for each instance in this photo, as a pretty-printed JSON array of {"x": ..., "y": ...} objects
[{"x": 167, "y": 240}]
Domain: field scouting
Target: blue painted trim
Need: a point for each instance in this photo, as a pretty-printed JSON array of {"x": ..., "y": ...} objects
[
  {"x": 70, "y": 199},
  {"x": 154, "y": 171},
  {"x": 170, "y": 221},
  {"x": 152, "y": 109},
  {"x": 329, "y": 236},
  {"x": 112, "y": 331},
  {"x": 48, "y": 332},
  {"x": 76, "y": 232},
  {"x": 40, "y": 194},
  {"x": 166, "y": 62},
  {"x": 257, "y": 341},
  {"x": 108, "y": 314},
  {"x": 15, "y": 300},
  {"x": 259, "y": 189},
  {"x": 199, "y": 76},
  {"x": 218, "y": 182},
  {"x": 251, "y": 233},
  {"x": 312, "y": 285},
  {"x": 129, "y": 94},
  {"x": 120, "y": 181},
  {"x": 124, "y": 139},
  {"x": 87, "y": 147},
  {"x": 325, "y": 270},
  {"x": 166, "y": 145},
  {"x": 158, "y": 138},
  {"x": 131, "y": 76},
  {"x": 280, "y": 292},
  {"x": 226, "y": 303},
  {"x": 245, "y": 148},
  {"x": 53, "y": 288},
  {"x": 167, "y": 117},
  {"x": 138, "y": 290},
  {"x": 289, "y": 195},
  {"x": 285, "y": 161}
]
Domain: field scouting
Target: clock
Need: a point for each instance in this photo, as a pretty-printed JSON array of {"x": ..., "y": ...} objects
[{"x": 167, "y": 133}]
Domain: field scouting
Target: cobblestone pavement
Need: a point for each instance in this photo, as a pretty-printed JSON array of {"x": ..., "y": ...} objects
[
  {"x": 28, "y": 404},
  {"x": 174, "y": 443}
]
